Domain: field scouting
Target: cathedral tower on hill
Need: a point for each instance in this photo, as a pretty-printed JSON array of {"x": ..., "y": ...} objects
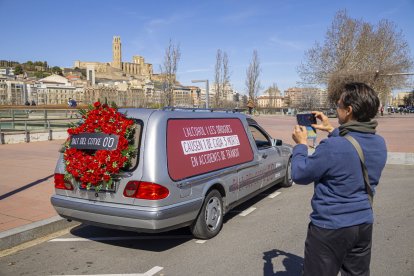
[
  {"x": 117, "y": 69},
  {"x": 116, "y": 52}
]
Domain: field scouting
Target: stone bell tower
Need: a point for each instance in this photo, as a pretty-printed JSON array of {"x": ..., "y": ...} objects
[{"x": 116, "y": 52}]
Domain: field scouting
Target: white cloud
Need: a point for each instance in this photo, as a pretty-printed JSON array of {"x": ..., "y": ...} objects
[
  {"x": 195, "y": 70},
  {"x": 296, "y": 45}
]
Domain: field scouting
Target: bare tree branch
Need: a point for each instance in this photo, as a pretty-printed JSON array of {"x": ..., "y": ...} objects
[
  {"x": 221, "y": 78},
  {"x": 355, "y": 50},
  {"x": 169, "y": 70},
  {"x": 217, "y": 77},
  {"x": 252, "y": 76}
]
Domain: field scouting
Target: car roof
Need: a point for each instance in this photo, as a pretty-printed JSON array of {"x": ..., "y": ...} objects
[{"x": 181, "y": 113}]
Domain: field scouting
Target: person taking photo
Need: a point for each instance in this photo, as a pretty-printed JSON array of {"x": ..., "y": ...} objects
[{"x": 339, "y": 234}]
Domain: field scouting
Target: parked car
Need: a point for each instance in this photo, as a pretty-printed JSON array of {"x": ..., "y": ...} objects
[
  {"x": 331, "y": 113},
  {"x": 197, "y": 166},
  {"x": 391, "y": 109},
  {"x": 410, "y": 109}
]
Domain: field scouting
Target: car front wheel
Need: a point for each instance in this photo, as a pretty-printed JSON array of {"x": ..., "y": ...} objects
[{"x": 287, "y": 180}]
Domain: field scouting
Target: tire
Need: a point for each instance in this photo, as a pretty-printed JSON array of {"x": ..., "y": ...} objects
[
  {"x": 287, "y": 180},
  {"x": 210, "y": 219}
]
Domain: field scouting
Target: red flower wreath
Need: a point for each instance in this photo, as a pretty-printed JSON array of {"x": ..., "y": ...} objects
[{"x": 97, "y": 167}]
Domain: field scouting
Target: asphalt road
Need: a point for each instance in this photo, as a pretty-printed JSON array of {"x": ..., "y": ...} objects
[{"x": 267, "y": 240}]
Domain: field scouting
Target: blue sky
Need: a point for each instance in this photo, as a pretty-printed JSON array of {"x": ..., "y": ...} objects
[{"x": 61, "y": 32}]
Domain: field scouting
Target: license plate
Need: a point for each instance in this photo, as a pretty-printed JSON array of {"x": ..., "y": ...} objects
[{"x": 109, "y": 189}]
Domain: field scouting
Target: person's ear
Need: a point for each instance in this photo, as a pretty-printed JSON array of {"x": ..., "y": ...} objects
[{"x": 349, "y": 110}]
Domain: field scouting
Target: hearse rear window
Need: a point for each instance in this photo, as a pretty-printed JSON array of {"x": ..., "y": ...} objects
[
  {"x": 197, "y": 146},
  {"x": 137, "y": 144}
]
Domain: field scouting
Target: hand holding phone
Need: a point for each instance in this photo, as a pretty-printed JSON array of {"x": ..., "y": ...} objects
[{"x": 306, "y": 119}]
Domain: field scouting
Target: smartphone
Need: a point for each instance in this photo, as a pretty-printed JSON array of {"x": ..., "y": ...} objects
[{"x": 306, "y": 119}]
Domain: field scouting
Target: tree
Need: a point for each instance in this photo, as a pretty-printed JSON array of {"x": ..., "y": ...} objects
[
  {"x": 18, "y": 70},
  {"x": 39, "y": 74},
  {"x": 221, "y": 78},
  {"x": 236, "y": 97},
  {"x": 272, "y": 91},
  {"x": 217, "y": 77},
  {"x": 310, "y": 101},
  {"x": 225, "y": 80},
  {"x": 355, "y": 50},
  {"x": 56, "y": 70},
  {"x": 252, "y": 76},
  {"x": 244, "y": 100},
  {"x": 168, "y": 71},
  {"x": 409, "y": 99}
]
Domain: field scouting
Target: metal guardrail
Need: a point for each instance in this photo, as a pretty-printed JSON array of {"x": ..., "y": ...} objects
[{"x": 27, "y": 121}]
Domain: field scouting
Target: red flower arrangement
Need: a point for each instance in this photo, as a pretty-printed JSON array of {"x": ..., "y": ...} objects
[{"x": 97, "y": 167}]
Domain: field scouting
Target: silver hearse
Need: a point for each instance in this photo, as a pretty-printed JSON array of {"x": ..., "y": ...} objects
[{"x": 192, "y": 167}]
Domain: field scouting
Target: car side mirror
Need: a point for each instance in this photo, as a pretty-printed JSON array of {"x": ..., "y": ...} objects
[{"x": 277, "y": 142}]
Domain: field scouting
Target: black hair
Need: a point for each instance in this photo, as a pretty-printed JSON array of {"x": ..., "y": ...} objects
[{"x": 362, "y": 98}]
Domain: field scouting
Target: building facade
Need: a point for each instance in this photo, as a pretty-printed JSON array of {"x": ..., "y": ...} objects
[
  {"x": 399, "y": 98},
  {"x": 306, "y": 98},
  {"x": 270, "y": 101},
  {"x": 56, "y": 90},
  {"x": 12, "y": 92},
  {"x": 271, "y": 98}
]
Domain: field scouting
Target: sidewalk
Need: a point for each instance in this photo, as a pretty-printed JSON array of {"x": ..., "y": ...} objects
[{"x": 26, "y": 175}]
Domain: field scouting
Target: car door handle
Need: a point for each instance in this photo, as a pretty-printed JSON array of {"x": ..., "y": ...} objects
[{"x": 264, "y": 155}]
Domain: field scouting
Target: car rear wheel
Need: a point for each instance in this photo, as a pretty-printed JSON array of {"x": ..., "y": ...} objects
[
  {"x": 210, "y": 219},
  {"x": 287, "y": 180}
]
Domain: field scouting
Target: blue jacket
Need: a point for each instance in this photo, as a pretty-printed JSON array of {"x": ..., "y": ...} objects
[{"x": 340, "y": 198}]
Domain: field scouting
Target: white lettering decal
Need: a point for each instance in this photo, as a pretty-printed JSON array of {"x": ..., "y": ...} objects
[
  {"x": 108, "y": 142},
  {"x": 209, "y": 144},
  {"x": 194, "y": 131},
  {"x": 94, "y": 141}
]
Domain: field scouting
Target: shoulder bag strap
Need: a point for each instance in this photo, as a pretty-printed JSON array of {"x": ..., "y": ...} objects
[{"x": 364, "y": 168}]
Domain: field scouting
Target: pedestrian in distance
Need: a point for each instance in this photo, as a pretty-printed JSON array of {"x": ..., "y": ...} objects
[
  {"x": 71, "y": 104},
  {"x": 339, "y": 235}
]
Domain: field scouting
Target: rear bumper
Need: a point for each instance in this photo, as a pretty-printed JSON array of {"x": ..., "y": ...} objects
[{"x": 127, "y": 217}]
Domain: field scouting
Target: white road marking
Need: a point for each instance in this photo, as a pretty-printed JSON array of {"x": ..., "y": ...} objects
[
  {"x": 153, "y": 270},
  {"x": 246, "y": 212},
  {"x": 122, "y": 238},
  {"x": 150, "y": 272},
  {"x": 25, "y": 245},
  {"x": 275, "y": 194},
  {"x": 200, "y": 241}
]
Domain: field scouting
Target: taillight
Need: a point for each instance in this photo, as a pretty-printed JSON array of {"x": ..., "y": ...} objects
[
  {"x": 61, "y": 183},
  {"x": 145, "y": 190},
  {"x": 131, "y": 189}
]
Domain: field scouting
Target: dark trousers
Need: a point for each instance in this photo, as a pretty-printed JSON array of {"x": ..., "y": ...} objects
[{"x": 328, "y": 251}]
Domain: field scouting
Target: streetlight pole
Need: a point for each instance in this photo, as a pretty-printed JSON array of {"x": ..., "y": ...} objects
[{"x": 207, "y": 87}]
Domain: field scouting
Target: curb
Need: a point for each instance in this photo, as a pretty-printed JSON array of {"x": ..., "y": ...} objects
[
  {"x": 29, "y": 232},
  {"x": 400, "y": 158},
  {"x": 393, "y": 158}
]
